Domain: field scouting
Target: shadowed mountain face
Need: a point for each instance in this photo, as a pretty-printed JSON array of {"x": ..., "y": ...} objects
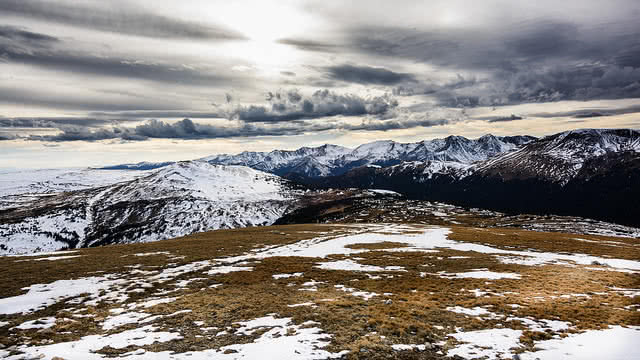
[{"x": 591, "y": 173}]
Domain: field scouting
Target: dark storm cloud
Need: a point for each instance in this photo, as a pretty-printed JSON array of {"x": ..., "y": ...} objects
[
  {"x": 493, "y": 119},
  {"x": 575, "y": 114},
  {"x": 397, "y": 124},
  {"x": 109, "y": 66},
  {"x": 495, "y": 48},
  {"x": 188, "y": 130},
  {"x": 291, "y": 106},
  {"x": 534, "y": 61},
  {"x": 367, "y": 75},
  {"x": 442, "y": 90},
  {"x": 309, "y": 45},
  {"x": 284, "y": 106},
  {"x": 288, "y": 113},
  {"x": 22, "y": 35},
  {"x": 566, "y": 82},
  {"x": 629, "y": 57},
  {"x": 59, "y": 122},
  {"x": 7, "y": 136},
  {"x": 591, "y": 113},
  {"x": 155, "y": 129},
  {"x": 115, "y": 17},
  {"x": 49, "y": 122}
]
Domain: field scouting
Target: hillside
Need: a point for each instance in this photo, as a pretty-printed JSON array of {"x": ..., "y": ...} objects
[
  {"x": 142, "y": 206},
  {"x": 176, "y": 200},
  {"x": 350, "y": 291}
]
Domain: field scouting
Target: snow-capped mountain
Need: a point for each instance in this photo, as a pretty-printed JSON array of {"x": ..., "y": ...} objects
[
  {"x": 176, "y": 200},
  {"x": 331, "y": 160},
  {"x": 141, "y": 206},
  {"x": 560, "y": 158},
  {"x": 592, "y": 173},
  {"x": 316, "y": 161}
]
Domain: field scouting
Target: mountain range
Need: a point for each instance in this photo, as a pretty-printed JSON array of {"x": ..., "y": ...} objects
[
  {"x": 332, "y": 160},
  {"x": 591, "y": 173}
]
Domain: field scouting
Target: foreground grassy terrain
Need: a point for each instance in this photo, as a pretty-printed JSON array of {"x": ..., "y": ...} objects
[{"x": 358, "y": 291}]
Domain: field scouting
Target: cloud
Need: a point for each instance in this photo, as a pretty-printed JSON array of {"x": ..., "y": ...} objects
[
  {"x": 61, "y": 122},
  {"x": 161, "y": 114},
  {"x": 291, "y": 106},
  {"x": 119, "y": 18},
  {"x": 6, "y": 136},
  {"x": 575, "y": 114},
  {"x": 154, "y": 129},
  {"x": 98, "y": 129},
  {"x": 282, "y": 106},
  {"x": 286, "y": 113},
  {"x": 590, "y": 113},
  {"x": 493, "y": 119},
  {"x": 22, "y": 35},
  {"x": 44, "y": 122},
  {"x": 186, "y": 129},
  {"x": 531, "y": 61},
  {"x": 309, "y": 45},
  {"x": 111, "y": 66},
  {"x": 580, "y": 82},
  {"x": 367, "y": 75},
  {"x": 88, "y": 100}
]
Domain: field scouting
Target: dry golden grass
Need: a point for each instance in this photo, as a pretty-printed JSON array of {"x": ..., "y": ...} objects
[{"x": 410, "y": 307}]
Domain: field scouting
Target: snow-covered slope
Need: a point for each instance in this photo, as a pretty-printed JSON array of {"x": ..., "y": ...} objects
[
  {"x": 144, "y": 165},
  {"x": 330, "y": 160},
  {"x": 19, "y": 186},
  {"x": 15, "y": 182},
  {"x": 176, "y": 200},
  {"x": 316, "y": 161}
]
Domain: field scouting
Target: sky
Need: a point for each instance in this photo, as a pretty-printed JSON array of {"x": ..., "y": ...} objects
[{"x": 90, "y": 83}]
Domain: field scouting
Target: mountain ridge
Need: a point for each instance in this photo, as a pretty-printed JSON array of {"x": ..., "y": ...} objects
[
  {"x": 330, "y": 160},
  {"x": 591, "y": 173}
]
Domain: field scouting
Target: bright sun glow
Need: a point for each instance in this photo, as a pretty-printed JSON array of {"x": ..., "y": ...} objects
[{"x": 264, "y": 21}]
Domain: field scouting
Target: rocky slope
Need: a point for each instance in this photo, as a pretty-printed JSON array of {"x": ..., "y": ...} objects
[{"x": 561, "y": 157}]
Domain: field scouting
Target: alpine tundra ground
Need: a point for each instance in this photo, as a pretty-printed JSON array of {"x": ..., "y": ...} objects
[{"x": 354, "y": 291}]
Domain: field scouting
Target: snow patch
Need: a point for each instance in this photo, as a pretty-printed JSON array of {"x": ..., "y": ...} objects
[
  {"x": 615, "y": 343},
  {"x": 350, "y": 265},
  {"x": 490, "y": 343}
]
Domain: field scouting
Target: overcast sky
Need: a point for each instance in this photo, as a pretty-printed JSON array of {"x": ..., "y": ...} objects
[{"x": 86, "y": 83}]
